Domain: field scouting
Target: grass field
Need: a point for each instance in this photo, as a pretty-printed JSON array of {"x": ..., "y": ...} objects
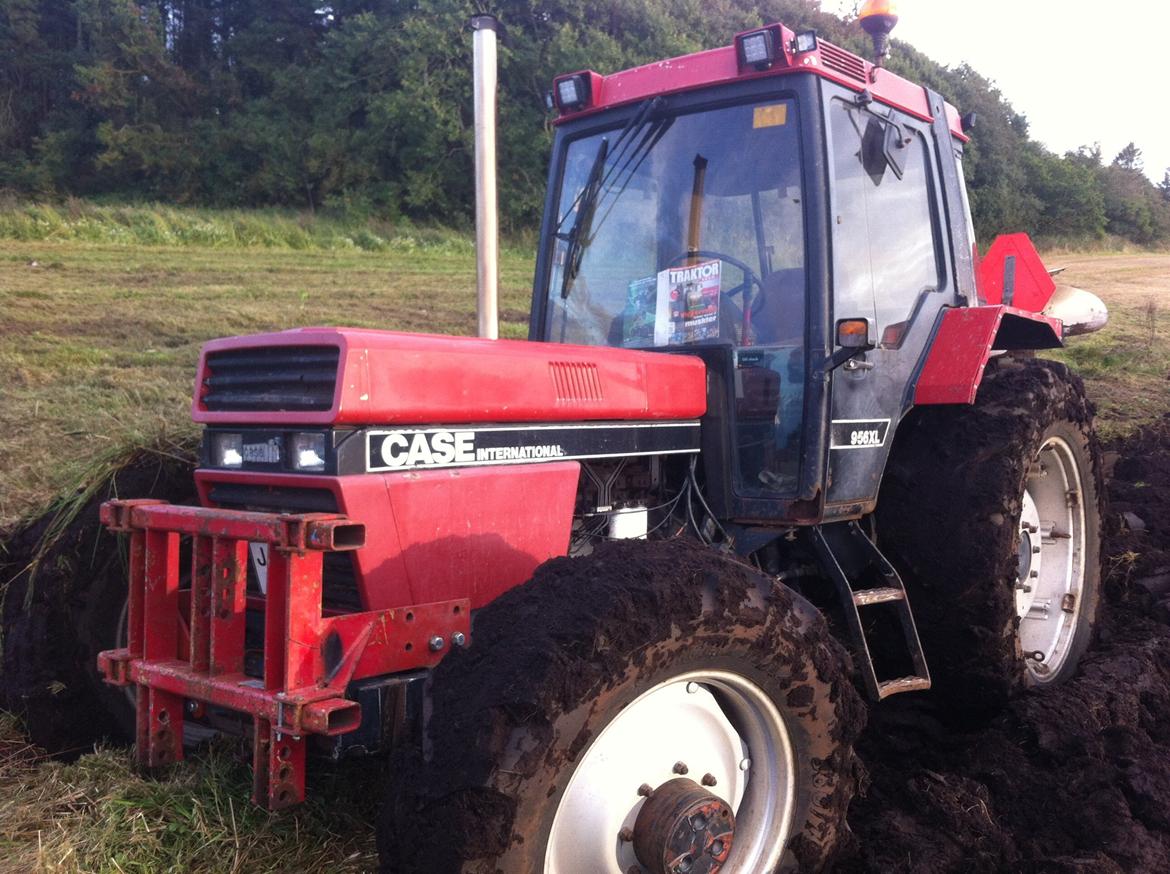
[{"x": 98, "y": 341}]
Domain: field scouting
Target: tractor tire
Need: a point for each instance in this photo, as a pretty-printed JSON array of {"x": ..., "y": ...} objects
[
  {"x": 55, "y": 622},
  {"x": 965, "y": 491},
  {"x": 657, "y": 669},
  {"x": 64, "y": 603}
]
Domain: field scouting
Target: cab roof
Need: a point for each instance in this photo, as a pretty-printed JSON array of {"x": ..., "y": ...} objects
[{"x": 720, "y": 66}]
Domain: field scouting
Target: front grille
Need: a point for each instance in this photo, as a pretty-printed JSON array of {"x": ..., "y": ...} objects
[
  {"x": 845, "y": 63},
  {"x": 273, "y": 378},
  {"x": 339, "y": 574}
]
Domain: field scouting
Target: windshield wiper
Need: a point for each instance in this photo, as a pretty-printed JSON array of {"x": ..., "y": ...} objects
[
  {"x": 586, "y": 207},
  {"x": 596, "y": 185}
]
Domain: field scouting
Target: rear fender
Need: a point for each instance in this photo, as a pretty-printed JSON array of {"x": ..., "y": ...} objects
[{"x": 964, "y": 340}]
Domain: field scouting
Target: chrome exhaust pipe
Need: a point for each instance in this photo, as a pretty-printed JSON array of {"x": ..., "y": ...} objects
[{"x": 487, "y": 222}]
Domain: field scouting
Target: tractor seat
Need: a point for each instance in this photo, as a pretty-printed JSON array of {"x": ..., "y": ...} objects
[{"x": 780, "y": 318}]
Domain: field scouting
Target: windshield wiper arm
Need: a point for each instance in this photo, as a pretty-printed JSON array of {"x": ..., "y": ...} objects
[
  {"x": 581, "y": 224},
  {"x": 587, "y": 201}
]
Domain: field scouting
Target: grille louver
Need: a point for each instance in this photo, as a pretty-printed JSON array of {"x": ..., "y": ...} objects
[
  {"x": 575, "y": 381},
  {"x": 843, "y": 62},
  {"x": 272, "y": 379}
]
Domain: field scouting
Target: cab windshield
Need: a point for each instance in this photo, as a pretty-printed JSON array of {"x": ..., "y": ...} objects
[
  {"x": 685, "y": 230},
  {"x": 681, "y": 229}
]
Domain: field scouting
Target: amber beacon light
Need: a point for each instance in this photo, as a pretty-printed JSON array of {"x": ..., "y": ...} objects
[{"x": 877, "y": 18}]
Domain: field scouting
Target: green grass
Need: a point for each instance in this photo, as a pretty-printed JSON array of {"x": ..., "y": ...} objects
[
  {"x": 98, "y": 815},
  {"x": 154, "y": 224}
]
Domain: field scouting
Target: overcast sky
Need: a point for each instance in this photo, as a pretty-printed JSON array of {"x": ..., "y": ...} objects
[{"x": 1080, "y": 72}]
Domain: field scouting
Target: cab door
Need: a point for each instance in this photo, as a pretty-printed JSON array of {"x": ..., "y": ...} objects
[{"x": 889, "y": 266}]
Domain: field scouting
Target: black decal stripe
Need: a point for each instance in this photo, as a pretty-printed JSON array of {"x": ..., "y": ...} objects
[{"x": 527, "y": 444}]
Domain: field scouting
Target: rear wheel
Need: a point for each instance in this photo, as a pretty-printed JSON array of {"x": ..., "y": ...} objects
[
  {"x": 992, "y": 514},
  {"x": 651, "y": 707}
]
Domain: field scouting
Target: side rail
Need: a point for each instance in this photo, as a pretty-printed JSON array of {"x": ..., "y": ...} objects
[{"x": 185, "y": 647}]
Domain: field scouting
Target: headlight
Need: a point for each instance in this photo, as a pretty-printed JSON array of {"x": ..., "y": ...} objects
[
  {"x": 308, "y": 451},
  {"x": 226, "y": 450}
]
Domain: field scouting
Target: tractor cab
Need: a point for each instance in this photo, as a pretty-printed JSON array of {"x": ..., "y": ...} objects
[{"x": 789, "y": 213}]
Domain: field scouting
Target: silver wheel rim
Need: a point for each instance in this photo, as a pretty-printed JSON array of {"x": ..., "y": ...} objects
[
  {"x": 1052, "y": 560},
  {"x": 716, "y": 723}
]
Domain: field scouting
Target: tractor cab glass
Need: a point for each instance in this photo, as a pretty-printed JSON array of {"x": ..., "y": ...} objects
[{"x": 687, "y": 230}]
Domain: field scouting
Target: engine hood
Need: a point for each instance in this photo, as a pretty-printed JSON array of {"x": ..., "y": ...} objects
[{"x": 336, "y": 376}]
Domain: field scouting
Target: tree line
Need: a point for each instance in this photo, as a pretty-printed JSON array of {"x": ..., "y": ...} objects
[{"x": 364, "y": 106}]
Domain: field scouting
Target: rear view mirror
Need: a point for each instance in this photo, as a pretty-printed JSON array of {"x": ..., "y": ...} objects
[{"x": 853, "y": 334}]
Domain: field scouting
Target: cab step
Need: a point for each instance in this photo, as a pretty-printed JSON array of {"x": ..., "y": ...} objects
[{"x": 864, "y": 578}]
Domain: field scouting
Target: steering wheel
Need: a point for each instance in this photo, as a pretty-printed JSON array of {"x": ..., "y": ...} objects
[{"x": 749, "y": 279}]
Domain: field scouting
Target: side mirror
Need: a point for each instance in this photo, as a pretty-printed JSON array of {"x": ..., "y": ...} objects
[{"x": 852, "y": 339}]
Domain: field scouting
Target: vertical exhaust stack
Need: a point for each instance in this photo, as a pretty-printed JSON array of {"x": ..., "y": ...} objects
[{"x": 487, "y": 222}]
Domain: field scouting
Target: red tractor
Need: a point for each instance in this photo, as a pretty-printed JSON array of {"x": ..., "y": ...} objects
[{"x": 584, "y": 589}]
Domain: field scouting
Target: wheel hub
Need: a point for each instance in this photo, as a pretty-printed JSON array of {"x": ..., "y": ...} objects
[
  {"x": 1051, "y": 560},
  {"x": 683, "y": 829}
]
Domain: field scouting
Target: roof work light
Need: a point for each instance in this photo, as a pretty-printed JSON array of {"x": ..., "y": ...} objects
[
  {"x": 571, "y": 92},
  {"x": 805, "y": 41},
  {"x": 877, "y": 18},
  {"x": 756, "y": 49}
]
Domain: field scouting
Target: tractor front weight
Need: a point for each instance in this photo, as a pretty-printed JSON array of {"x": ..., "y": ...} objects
[{"x": 184, "y": 648}]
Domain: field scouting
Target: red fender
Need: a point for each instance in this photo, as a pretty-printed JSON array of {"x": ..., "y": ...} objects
[{"x": 964, "y": 341}]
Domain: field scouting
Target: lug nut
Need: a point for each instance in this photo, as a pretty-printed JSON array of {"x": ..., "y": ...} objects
[
  {"x": 692, "y": 688},
  {"x": 716, "y": 848},
  {"x": 645, "y": 790},
  {"x": 436, "y": 643},
  {"x": 626, "y": 835},
  {"x": 459, "y": 639},
  {"x": 709, "y": 780},
  {"x": 744, "y": 764},
  {"x": 681, "y": 768}
]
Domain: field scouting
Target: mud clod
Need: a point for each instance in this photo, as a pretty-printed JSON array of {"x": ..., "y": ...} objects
[{"x": 1071, "y": 779}]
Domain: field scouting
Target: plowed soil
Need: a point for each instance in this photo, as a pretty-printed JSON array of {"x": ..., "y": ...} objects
[{"x": 1072, "y": 779}]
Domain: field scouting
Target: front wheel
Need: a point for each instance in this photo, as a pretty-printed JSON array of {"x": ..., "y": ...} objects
[{"x": 651, "y": 707}]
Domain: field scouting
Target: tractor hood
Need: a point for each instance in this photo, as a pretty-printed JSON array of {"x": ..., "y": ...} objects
[{"x": 333, "y": 376}]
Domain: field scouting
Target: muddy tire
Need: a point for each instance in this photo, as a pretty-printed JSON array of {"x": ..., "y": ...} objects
[
  {"x": 54, "y": 627},
  {"x": 957, "y": 504},
  {"x": 54, "y": 621},
  {"x": 526, "y": 724}
]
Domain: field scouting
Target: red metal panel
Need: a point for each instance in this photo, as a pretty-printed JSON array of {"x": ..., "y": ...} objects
[
  {"x": 399, "y": 639},
  {"x": 278, "y": 767},
  {"x": 444, "y": 534},
  {"x": 137, "y": 592},
  {"x": 160, "y": 728},
  {"x": 388, "y": 377},
  {"x": 720, "y": 66},
  {"x": 1033, "y": 285},
  {"x": 160, "y": 615},
  {"x": 477, "y": 533},
  {"x": 228, "y": 600},
  {"x": 961, "y": 348},
  {"x": 199, "y": 645}
]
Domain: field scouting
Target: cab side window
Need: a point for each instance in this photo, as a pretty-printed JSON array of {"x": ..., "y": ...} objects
[{"x": 885, "y": 236}]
